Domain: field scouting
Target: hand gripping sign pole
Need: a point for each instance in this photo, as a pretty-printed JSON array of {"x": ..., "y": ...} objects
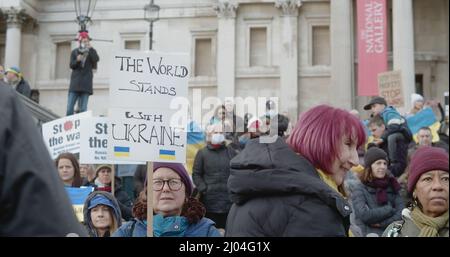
[{"x": 149, "y": 199}]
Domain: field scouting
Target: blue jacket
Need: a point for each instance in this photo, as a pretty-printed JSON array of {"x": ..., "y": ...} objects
[
  {"x": 395, "y": 123},
  {"x": 136, "y": 228}
]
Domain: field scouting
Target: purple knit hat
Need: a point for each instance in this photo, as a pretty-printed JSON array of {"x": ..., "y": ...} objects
[
  {"x": 180, "y": 170},
  {"x": 426, "y": 158}
]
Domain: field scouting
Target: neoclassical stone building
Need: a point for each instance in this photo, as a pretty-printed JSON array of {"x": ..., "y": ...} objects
[{"x": 303, "y": 51}]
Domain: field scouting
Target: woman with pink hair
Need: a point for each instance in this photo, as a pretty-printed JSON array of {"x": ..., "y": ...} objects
[{"x": 296, "y": 188}]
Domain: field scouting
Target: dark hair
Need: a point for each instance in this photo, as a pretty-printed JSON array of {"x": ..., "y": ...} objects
[
  {"x": 376, "y": 120},
  {"x": 77, "y": 181}
]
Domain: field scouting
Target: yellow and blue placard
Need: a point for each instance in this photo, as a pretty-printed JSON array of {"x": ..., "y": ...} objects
[
  {"x": 424, "y": 118},
  {"x": 195, "y": 142},
  {"x": 78, "y": 196}
]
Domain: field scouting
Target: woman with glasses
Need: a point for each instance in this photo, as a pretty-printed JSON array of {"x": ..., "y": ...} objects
[
  {"x": 296, "y": 188},
  {"x": 175, "y": 213}
]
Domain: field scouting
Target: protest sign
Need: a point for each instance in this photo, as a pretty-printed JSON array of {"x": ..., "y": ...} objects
[
  {"x": 63, "y": 135},
  {"x": 152, "y": 138},
  {"x": 148, "y": 80},
  {"x": 143, "y": 88},
  {"x": 144, "y": 127},
  {"x": 390, "y": 87},
  {"x": 77, "y": 197},
  {"x": 94, "y": 142}
]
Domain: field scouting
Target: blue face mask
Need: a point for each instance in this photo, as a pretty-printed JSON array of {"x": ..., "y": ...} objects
[{"x": 172, "y": 226}]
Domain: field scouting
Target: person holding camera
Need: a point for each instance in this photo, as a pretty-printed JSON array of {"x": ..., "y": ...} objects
[{"x": 83, "y": 60}]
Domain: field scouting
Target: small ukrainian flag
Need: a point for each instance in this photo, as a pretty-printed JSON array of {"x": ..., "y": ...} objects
[
  {"x": 167, "y": 155},
  {"x": 120, "y": 151}
]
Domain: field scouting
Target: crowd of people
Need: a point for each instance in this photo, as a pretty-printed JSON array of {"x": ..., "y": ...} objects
[{"x": 323, "y": 176}]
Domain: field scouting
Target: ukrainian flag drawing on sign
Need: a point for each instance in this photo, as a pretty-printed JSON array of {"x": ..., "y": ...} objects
[
  {"x": 120, "y": 151},
  {"x": 167, "y": 155},
  {"x": 77, "y": 196},
  {"x": 424, "y": 118}
]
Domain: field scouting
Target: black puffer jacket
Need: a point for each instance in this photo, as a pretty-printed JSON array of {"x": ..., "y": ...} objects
[
  {"x": 210, "y": 175},
  {"x": 278, "y": 193}
]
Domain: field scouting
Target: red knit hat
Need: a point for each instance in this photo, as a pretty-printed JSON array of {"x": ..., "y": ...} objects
[{"x": 425, "y": 159}]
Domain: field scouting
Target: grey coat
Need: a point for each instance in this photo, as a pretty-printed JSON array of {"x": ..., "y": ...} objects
[
  {"x": 210, "y": 175},
  {"x": 368, "y": 212},
  {"x": 276, "y": 192}
]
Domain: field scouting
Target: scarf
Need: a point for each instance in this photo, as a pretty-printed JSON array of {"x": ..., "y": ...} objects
[
  {"x": 429, "y": 226},
  {"x": 381, "y": 185},
  {"x": 172, "y": 226},
  {"x": 331, "y": 183}
]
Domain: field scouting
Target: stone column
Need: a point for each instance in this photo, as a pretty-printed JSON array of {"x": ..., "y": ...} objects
[
  {"x": 341, "y": 54},
  {"x": 403, "y": 37},
  {"x": 289, "y": 57},
  {"x": 226, "y": 12},
  {"x": 14, "y": 20}
]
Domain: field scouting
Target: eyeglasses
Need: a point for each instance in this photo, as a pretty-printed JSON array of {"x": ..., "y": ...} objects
[{"x": 174, "y": 184}]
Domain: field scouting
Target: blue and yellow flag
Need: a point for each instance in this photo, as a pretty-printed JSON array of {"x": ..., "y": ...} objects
[
  {"x": 195, "y": 141},
  {"x": 424, "y": 118},
  {"x": 78, "y": 196}
]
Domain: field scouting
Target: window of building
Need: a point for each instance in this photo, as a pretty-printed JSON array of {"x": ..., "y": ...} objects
[
  {"x": 321, "y": 45},
  {"x": 203, "y": 57},
  {"x": 258, "y": 46},
  {"x": 133, "y": 44},
  {"x": 63, "y": 51}
]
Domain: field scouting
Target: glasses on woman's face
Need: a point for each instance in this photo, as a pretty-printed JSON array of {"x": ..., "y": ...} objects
[{"x": 173, "y": 183}]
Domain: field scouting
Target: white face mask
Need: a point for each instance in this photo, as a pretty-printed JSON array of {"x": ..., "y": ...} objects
[
  {"x": 217, "y": 139},
  {"x": 83, "y": 45},
  {"x": 272, "y": 113}
]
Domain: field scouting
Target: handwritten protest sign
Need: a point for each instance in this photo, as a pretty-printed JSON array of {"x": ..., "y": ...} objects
[
  {"x": 63, "y": 135},
  {"x": 94, "y": 142},
  {"x": 148, "y": 80},
  {"x": 390, "y": 87},
  {"x": 143, "y": 124},
  {"x": 139, "y": 134},
  {"x": 78, "y": 196}
]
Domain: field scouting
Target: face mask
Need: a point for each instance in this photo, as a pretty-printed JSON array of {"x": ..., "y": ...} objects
[
  {"x": 83, "y": 45},
  {"x": 217, "y": 139},
  {"x": 271, "y": 113}
]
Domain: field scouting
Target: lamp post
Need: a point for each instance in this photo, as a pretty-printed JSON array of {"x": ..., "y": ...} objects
[
  {"x": 84, "y": 10},
  {"x": 151, "y": 14}
]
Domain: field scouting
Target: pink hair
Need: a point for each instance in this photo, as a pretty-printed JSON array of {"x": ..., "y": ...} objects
[{"x": 319, "y": 132}]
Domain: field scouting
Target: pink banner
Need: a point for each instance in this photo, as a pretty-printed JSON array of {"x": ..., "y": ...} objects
[{"x": 372, "y": 44}]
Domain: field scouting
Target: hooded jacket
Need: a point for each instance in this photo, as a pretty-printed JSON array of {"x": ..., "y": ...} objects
[
  {"x": 276, "y": 192},
  {"x": 87, "y": 216},
  {"x": 33, "y": 201}
]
